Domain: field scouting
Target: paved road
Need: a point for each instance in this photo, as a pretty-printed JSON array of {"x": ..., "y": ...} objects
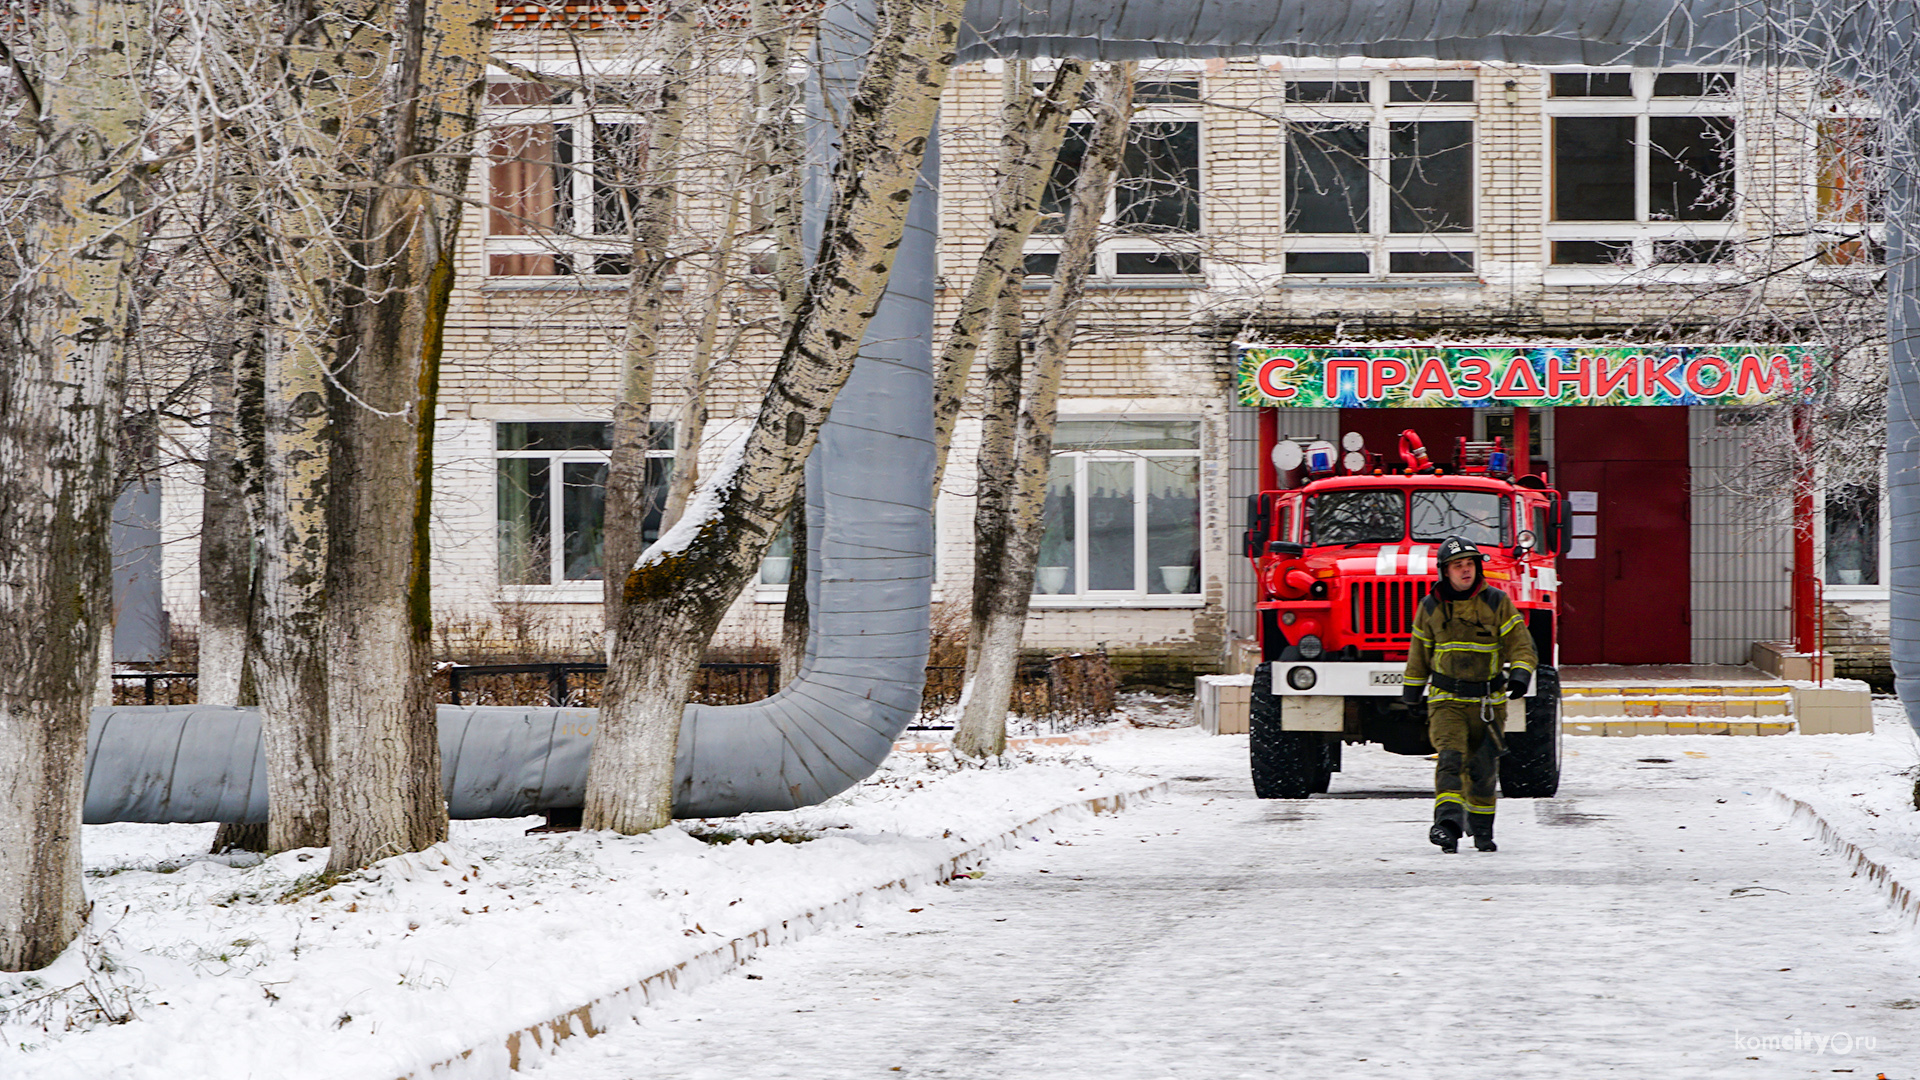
[{"x": 1635, "y": 926}]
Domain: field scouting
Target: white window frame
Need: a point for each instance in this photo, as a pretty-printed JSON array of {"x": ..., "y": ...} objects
[
  {"x": 1834, "y": 590},
  {"x": 1113, "y": 240},
  {"x": 579, "y": 245},
  {"x": 1141, "y": 596},
  {"x": 1379, "y": 243},
  {"x": 560, "y": 588},
  {"x": 1641, "y": 234}
]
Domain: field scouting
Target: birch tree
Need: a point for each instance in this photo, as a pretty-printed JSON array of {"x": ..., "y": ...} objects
[
  {"x": 627, "y": 492},
  {"x": 1032, "y": 127},
  {"x": 1003, "y": 585},
  {"x": 386, "y": 790},
  {"x": 62, "y": 364},
  {"x": 675, "y": 596}
]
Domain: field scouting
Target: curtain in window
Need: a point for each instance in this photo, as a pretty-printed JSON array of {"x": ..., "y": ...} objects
[{"x": 526, "y": 180}]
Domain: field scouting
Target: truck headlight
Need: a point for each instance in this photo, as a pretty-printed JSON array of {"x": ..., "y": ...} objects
[
  {"x": 1301, "y": 678},
  {"x": 1310, "y": 647}
]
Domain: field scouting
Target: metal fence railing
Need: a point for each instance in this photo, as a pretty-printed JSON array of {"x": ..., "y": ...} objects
[{"x": 1057, "y": 691}]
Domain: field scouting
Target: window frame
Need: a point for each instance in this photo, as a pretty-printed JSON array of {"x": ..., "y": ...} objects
[
  {"x": 1641, "y": 235},
  {"x": 1379, "y": 113},
  {"x": 578, "y": 243},
  {"x": 1835, "y": 590},
  {"x": 1826, "y": 230},
  {"x": 1142, "y": 596},
  {"x": 1115, "y": 240},
  {"x": 559, "y": 587}
]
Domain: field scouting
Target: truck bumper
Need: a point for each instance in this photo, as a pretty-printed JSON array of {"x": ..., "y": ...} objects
[{"x": 1321, "y": 704}]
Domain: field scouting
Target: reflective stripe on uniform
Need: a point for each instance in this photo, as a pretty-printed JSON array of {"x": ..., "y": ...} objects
[
  {"x": 1507, "y": 628},
  {"x": 1446, "y": 797}
]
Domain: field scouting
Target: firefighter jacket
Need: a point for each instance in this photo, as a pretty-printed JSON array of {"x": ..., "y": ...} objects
[{"x": 1460, "y": 645}]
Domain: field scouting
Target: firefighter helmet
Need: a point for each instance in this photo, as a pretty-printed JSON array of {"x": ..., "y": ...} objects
[{"x": 1455, "y": 547}]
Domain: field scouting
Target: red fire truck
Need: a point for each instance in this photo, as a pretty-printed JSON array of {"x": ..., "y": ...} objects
[{"x": 1342, "y": 560}]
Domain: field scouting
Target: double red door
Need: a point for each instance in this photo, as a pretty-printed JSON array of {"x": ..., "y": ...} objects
[{"x": 1624, "y": 595}]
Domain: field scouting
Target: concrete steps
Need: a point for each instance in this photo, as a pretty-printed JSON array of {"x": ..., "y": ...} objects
[{"x": 1729, "y": 707}]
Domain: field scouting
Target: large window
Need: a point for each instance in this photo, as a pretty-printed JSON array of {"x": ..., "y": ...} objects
[
  {"x": 1379, "y": 176},
  {"x": 551, "y": 493},
  {"x": 1642, "y": 168},
  {"x": 1154, "y": 210},
  {"x": 1356, "y": 517},
  {"x": 563, "y": 180},
  {"x": 1480, "y": 516},
  {"x": 1123, "y": 510},
  {"x": 1853, "y": 536}
]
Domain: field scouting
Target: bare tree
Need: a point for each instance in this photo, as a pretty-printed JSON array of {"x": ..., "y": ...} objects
[
  {"x": 681, "y": 587},
  {"x": 1009, "y": 523},
  {"x": 386, "y": 791},
  {"x": 62, "y": 363},
  {"x": 1032, "y": 127}
]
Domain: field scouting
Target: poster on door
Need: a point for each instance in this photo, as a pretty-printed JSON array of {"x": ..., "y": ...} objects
[{"x": 1401, "y": 377}]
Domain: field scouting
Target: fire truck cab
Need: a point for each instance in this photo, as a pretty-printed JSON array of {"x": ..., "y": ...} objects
[{"x": 1342, "y": 559}]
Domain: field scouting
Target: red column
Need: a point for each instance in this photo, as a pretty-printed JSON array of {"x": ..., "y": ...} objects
[
  {"x": 1805, "y": 606},
  {"x": 1269, "y": 477},
  {"x": 1522, "y": 439}
]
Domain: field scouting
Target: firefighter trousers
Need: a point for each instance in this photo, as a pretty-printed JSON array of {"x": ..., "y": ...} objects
[{"x": 1460, "y": 736}]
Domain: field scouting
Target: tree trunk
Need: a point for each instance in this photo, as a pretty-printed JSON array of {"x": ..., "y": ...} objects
[
  {"x": 325, "y": 88},
  {"x": 796, "y": 618},
  {"x": 226, "y": 550},
  {"x": 386, "y": 789},
  {"x": 1008, "y": 587},
  {"x": 62, "y": 377},
  {"x": 627, "y": 495},
  {"x": 1032, "y": 129},
  {"x": 982, "y": 733},
  {"x": 675, "y": 598}
]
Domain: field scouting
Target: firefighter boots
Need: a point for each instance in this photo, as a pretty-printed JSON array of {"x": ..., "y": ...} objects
[
  {"x": 1481, "y": 826},
  {"x": 1447, "y": 835}
]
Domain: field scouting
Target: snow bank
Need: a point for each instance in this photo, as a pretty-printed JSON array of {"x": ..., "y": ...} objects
[{"x": 216, "y": 967}]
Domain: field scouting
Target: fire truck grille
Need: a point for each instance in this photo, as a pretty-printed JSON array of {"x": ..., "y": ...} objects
[{"x": 1383, "y": 607}]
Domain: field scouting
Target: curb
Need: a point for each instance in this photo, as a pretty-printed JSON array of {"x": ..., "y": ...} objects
[
  {"x": 1900, "y": 895},
  {"x": 508, "y": 1052}
]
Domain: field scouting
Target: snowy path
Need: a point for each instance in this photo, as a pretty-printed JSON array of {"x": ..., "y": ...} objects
[{"x": 1635, "y": 926}]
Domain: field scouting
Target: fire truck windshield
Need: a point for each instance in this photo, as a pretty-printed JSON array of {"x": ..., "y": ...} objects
[
  {"x": 1356, "y": 517},
  {"x": 1479, "y": 516}
]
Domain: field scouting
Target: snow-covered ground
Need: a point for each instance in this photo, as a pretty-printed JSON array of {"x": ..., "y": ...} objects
[{"x": 1661, "y": 913}]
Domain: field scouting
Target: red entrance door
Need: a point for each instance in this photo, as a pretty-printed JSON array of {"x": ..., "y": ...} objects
[{"x": 1624, "y": 584}]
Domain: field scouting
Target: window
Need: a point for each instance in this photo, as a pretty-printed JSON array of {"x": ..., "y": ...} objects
[
  {"x": 551, "y": 494},
  {"x": 1479, "y": 516},
  {"x": 1850, "y": 189},
  {"x": 1643, "y": 168},
  {"x": 1379, "y": 176},
  {"x": 1122, "y": 511},
  {"x": 1356, "y": 517},
  {"x": 1853, "y": 535},
  {"x": 1156, "y": 197},
  {"x": 563, "y": 180}
]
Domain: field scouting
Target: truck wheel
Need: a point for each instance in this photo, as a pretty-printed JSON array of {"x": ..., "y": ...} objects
[
  {"x": 1531, "y": 768},
  {"x": 1286, "y": 764}
]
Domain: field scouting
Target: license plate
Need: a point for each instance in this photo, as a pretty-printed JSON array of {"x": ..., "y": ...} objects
[{"x": 1385, "y": 678}]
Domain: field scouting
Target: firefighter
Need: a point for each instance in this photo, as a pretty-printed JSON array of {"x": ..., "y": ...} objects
[{"x": 1464, "y": 634}]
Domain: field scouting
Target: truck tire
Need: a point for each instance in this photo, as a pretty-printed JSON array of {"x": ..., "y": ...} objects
[
  {"x": 1286, "y": 764},
  {"x": 1531, "y": 767}
]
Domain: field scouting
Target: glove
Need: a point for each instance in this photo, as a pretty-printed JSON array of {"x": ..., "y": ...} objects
[
  {"x": 1416, "y": 699},
  {"x": 1517, "y": 683}
]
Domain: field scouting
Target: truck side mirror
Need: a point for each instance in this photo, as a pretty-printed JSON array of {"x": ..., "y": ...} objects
[{"x": 1286, "y": 549}]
